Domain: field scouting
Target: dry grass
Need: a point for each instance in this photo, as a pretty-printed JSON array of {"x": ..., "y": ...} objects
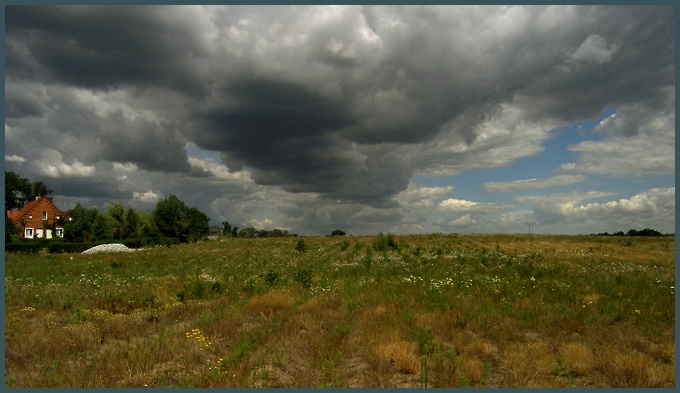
[
  {"x": 402, "y": 355},
  {"x": 270, "y": 303},
  {"x": 526, "y": 362},
  {"x": 577, "y": 358},
  {"x": 440, "y": 311},
  {"x": 634, "y": 369}
]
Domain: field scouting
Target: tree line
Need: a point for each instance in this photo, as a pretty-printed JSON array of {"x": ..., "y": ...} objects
[
  {"x": 248, "y": 233},
  {"x": 170, "y": 221},
  {"x": 635, "y": 232}
]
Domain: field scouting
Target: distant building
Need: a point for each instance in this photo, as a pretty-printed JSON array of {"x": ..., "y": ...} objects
[
  {"x": 37, "y": 219},
  {"x": 214, "y": 233}
]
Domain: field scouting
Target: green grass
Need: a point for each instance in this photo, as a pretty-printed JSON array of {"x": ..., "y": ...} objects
[{"x": 384, "y": 311}]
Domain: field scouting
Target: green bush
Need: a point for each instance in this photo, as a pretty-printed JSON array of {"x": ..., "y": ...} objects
[
  {"x": 59, "y": 247},
  {"x": 304, "y": 277},
  {"x": 25, "y": 248},
  {"x": 383, "y": 243},
  {"x": 271, "y": 278},
  {"x": 301, "y": 247}
]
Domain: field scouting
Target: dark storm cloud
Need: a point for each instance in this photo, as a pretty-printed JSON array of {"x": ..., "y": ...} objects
[
  {"x": 20, "y": 103},
  {"x": 93, "y": 188},
  {"x": 630, "y": 57},
  {"x": 347, "y": 102},
  {"x": 151, "y": 145},
  {"x": 101, "y": 47}
]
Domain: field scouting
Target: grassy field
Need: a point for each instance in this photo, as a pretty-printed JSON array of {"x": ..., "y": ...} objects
[{"x": 383, "y": 311}]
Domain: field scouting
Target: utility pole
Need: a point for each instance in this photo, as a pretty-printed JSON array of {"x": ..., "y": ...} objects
[{"x": 530, "y": 224}]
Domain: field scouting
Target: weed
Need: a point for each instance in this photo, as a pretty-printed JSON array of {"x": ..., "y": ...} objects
[
  {"x": 330, "y": 371},
  {"x": 304, "y": 277},
  {"x": 341, "y": 330},
  {"x": 149, "y": 301},
  {"x": 301, "y": 246},
  {"x": 67, "y": 304},
  {"x": 423, "y": 371},
  {"x": 368, "y": 259},
  {"x": 384, "y": 243},
  {"x": 271, "y": 277}
]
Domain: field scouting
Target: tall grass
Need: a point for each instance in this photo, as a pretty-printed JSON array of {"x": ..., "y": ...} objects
[{"x": 385, "y": 311}]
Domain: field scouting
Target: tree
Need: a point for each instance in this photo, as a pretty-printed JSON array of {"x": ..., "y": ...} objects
[
  {"x": 146, "y": 226},
  {"x": 234, "y": 232},
  {"x": 198, "y": 223},
  {"x": 174, "y": 219},
  {"x": 278, "y": 233},
  {"x": 171, "y": 218},
  {"x": 117, "y": 211},
  {"x": 10, "y": 229},
  {"x": 101, "y": 229},
  {"x": 337, "y": 232},
  {"x": 130, "y": 222},
  {"x": 227, "y": 228},
  {"x": 39, "y": 189},
  {"x": 79, "y": 229},
  {"x": 17, "y": 191},
  {"x": 247, "y": 232}
]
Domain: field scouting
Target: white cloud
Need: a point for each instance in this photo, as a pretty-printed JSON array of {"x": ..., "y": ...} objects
[
  {"x": 637, "y": 142},
  {"x": 123, "y": 169},
  {"x": 267, "y": 223},
  {"x": 528, "y": 184},
  {"x": 462, "y": 205},
  {"x": 219, "y": 170},
  {"x": 458, "y": 205},
  {"x": 504, "y": 136},
  {"x": 654, "y": 208},
  {"x": 15, "y": 158},
  {"x": 595, "y": 50},
  {"x": 417, "y": 196},
  {"x": 51, "y": 164},
  {"x": 127, "y": 167},
  {"x": 148, "y": 196},
  {"x": 618, "y": 156},
  {"x": 461, "y": 213}
]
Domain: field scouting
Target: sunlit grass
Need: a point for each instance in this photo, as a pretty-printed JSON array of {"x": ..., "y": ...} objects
[{"x": 387, "y": 311}]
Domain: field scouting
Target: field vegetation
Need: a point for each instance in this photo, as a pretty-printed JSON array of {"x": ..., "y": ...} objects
[{"x": 381, "y": 311}]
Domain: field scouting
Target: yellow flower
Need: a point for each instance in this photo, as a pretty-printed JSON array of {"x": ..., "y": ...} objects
[{"x": 637, "y": 311}]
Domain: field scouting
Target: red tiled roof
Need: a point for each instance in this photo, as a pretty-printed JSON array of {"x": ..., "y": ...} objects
[{"x": 17, "y": 215}]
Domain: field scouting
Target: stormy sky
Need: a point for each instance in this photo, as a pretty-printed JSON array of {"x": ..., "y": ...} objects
[{"x": 401, "y": 119}]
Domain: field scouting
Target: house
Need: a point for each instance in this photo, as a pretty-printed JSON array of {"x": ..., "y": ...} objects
[
  {"x": 37, "y": 219},
  {"x": 214, "y": 233}
]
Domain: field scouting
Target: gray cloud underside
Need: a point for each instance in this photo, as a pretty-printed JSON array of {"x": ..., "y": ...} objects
[{"x": 345, "y": 103}]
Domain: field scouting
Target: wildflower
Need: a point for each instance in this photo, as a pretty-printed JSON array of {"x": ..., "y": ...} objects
[{"x": 637, "y": 311}]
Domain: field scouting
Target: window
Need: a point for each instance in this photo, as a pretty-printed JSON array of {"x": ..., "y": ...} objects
[
  {"x": 28, "y": 233},
  {"x": 44, "y": 215},
  {"x": 60, "y": 232}
]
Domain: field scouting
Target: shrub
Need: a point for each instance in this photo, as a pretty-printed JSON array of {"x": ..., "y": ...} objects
[
  {"x": 301, "y": 247},
  {"x": 383, "y": 243},
  {"x": 271, "y": 278},
  {"x": 304, "y": 277},
  {"x": 26, "y": 248},
  {"x": 59, "y": 247}
]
